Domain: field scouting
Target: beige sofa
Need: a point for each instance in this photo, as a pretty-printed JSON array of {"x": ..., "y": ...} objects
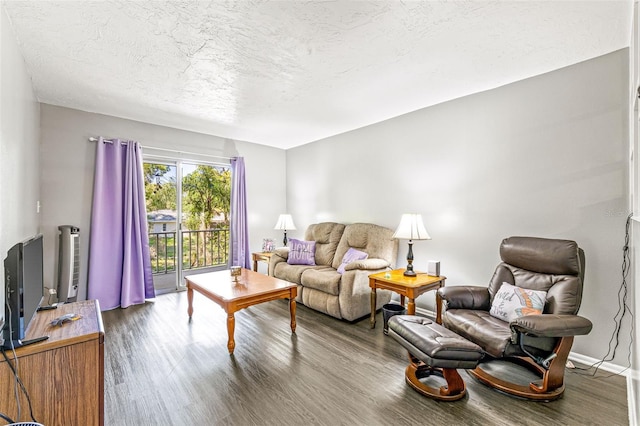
[{"x": 322, "y": 287}]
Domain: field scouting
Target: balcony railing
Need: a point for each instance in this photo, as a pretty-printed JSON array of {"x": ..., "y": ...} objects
[{"x": 200, "y": 249}]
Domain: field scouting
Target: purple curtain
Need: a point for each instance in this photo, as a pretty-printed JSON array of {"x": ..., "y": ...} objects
[
  {"x": 240, "y": 255},
  {"x": 119, "y": 261}
]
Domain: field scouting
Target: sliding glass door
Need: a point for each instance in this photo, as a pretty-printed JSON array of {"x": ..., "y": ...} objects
[
  {"x": 188, "y": 206},
  {"x": 161, "y": 194},
  {"x": 205, "y": 200}
]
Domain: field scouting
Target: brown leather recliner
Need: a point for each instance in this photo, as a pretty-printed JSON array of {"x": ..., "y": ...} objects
[{"x": 540, "y": 342}]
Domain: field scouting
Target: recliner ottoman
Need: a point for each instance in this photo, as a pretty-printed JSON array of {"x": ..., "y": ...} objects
[{"x": 434, "y": 349}]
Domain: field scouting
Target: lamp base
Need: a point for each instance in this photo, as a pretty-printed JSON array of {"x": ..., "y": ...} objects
[{"x": 409, "y": 273}]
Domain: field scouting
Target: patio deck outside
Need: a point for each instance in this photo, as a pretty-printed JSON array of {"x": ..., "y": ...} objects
[
  {"x": 186, "y": 202},
  {"x": 202, "y": 250}
]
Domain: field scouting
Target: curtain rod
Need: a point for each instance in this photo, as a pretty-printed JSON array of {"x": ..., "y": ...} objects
[{"x": 92, "y": 139}]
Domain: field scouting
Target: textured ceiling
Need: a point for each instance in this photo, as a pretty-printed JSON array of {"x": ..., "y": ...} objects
[{"x": 285, "y": 73}]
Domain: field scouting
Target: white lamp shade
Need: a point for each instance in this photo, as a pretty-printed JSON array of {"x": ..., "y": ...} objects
[
  {"x": 285, "y": 222},
  {"x": 411, "y": 228}
]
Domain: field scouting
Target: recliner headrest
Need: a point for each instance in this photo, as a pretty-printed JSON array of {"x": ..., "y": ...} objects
[{"x": 543, "y": 255}]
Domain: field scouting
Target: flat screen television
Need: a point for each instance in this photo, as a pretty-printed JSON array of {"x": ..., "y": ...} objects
[{"x": 24, "y": 288}]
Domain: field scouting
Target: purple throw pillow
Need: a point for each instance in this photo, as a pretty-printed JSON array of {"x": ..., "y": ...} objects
[
  {"x": 301, "y": 252},
  {"x": 351, "y": 256}
]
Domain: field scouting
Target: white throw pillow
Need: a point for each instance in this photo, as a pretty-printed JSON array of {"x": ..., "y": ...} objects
[
  {"x": 351, "y": 255},
  {"x": 512, "y": 302}
]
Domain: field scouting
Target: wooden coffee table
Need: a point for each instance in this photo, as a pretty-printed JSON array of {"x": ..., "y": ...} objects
[{"x": 252, "y": 288}]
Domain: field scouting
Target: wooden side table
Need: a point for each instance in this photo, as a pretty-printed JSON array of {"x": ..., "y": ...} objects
[
  {"x": 262, "y": 256},
  {"x": 410, "y": 287}
]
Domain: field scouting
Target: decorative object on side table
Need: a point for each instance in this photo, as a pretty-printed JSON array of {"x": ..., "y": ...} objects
[
  {"x": 433, "y": 268},
  {"x": 268, "y": 245},
  {"x": 411, "y": 228},
  {"x": 285, "y": 223}
]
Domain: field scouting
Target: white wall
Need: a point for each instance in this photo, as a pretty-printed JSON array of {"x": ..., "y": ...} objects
[
  {"x": 68, "y": 162},
  {"x": 545, "y": 157},
  {"x": 633, "y": 382},
  {"x": 19, "y": 143}
]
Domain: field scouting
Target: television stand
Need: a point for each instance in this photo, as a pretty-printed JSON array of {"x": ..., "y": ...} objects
[
  {"x": 20, "y": 343},
  {"x": 63, "y": 374}
]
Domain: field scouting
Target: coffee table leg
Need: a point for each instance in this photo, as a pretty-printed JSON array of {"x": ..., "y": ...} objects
[
  {"x": 373, "y": 308},
  {"x": 231, "y": 325},
  {"x": 292, "y": 310},
  {"x": 190, "y": 300}
]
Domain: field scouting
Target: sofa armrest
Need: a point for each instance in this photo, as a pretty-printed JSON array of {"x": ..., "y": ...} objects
[
  {"x": 367, "y": 264},
  {"x": 550, "y": 325},
  {"x": 281, "y": 254},
  {"x": 465, "y": 297}
]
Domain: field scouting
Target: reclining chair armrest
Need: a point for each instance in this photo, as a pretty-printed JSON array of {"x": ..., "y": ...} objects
[
  {"x": 550, "y": 325},
  {"x": 465, "y": 297},
  {"x": 367, "y": 264}
]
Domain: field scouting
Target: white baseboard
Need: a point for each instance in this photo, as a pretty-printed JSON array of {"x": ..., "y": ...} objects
[{"x": 606, "y": 366}]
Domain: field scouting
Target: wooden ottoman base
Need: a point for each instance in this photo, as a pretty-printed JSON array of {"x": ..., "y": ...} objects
[
  {"x": 454, "y": 389},
  {"x": 434, "y": 350}
]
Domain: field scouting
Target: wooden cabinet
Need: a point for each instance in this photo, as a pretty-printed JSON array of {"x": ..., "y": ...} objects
[{"x": 64, "y": 375}]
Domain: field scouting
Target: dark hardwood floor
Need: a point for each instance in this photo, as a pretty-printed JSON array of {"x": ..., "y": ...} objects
[{"x": 162, "y": 370}]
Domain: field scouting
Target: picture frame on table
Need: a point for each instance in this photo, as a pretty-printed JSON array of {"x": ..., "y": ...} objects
[{"x": 268, "y": 245}]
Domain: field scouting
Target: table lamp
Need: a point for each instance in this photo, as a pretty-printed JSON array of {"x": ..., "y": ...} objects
[
  {"x": 411, "y": 228},
  {"x": 284, "y": 223}
]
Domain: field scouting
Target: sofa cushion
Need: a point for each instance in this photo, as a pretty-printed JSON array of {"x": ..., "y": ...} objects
[
  {"x": 479, "y": 326},
  {"x": 356, "y": 239},
  {"x": 326, "y": 279},
  {"x": 351, "y": 256},
  {"x": 327, "y": 236},
  {"x": 372, "y": 239},
  {"x": 291, "y": 273},
  {"x": 322, "y": 302},
  {"x": 301, "y": 252}
]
